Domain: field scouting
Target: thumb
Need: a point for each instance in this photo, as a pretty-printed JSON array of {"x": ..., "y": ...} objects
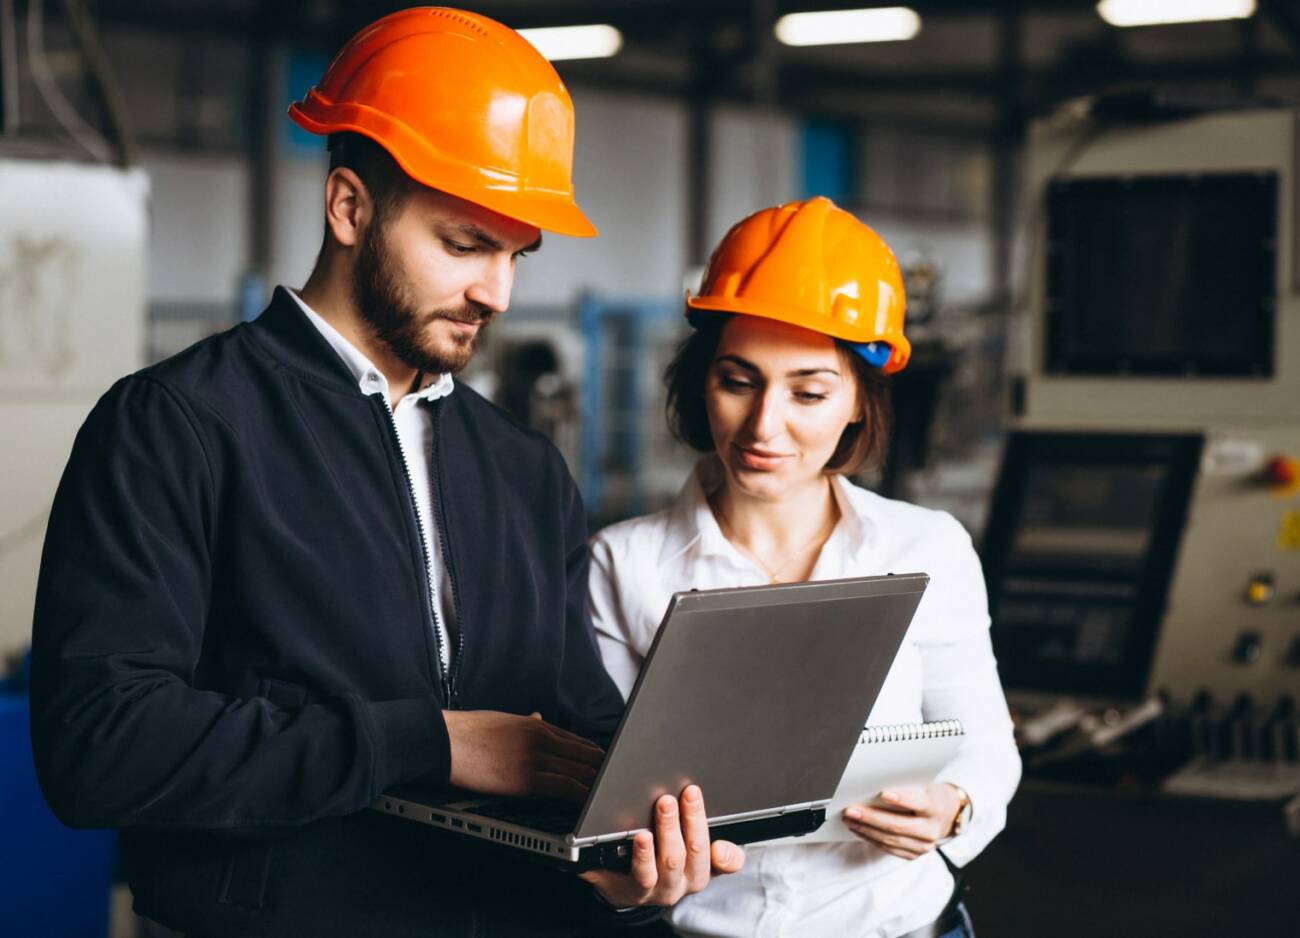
[
  {"x": 534, "y": 715},
  {"x": 726, "y": 857}
]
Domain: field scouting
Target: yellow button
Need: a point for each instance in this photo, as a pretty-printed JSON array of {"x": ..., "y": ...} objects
[{"x": 1259, "y": 592}]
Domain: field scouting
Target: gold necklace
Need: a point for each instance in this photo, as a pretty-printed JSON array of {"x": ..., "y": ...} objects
[{"x": 774, "y": 573}]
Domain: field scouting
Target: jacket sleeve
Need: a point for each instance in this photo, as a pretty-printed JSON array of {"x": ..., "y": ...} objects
[
  {"x": 122, "y": 737},
  {"x": 590, "y": 703}
]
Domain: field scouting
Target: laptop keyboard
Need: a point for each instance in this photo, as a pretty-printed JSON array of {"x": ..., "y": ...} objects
[{"x": 543, "y": 814}]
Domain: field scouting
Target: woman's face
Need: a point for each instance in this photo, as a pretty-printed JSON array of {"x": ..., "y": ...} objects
[{"x": 778, "y": 398}]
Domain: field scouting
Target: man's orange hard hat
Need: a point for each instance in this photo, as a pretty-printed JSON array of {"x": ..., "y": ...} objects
[
  {"x": 814, "y": 265},
  {"x": 464, "y": 105}
]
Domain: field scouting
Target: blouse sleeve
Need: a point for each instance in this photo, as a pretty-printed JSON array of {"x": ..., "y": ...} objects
[
  {"x": 619, "y": 648},
  {"x": 960, "y": 680}
]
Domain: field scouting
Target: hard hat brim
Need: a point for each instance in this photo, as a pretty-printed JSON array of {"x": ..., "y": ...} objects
[
  {"x": 556, "y": 213},
  {"x": 793, "y": 316}
]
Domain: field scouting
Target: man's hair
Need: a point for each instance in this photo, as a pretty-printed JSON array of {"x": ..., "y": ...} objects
[
  {"x": 862, "y": 445},
  {"x": 387, "y": 183}
]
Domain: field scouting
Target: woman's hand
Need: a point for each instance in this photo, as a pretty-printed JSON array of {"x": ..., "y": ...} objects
[
  {"x": 675, "y": 861},
  {"x": 912, "y": 824}
]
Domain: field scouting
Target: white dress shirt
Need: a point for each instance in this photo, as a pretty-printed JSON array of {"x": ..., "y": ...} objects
[
  {"x": 414, "y": 425},
  {"x": 945, "y": 669}
]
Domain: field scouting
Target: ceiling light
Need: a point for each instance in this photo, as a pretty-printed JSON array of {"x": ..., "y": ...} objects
[
  {"x": 575, "y": 42},
  {"x": 1156, "y": 12},
  {"x": 831, "y": 27}
]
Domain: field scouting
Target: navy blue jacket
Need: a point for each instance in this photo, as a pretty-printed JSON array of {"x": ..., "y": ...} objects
[{"x": 233, "y": 650}]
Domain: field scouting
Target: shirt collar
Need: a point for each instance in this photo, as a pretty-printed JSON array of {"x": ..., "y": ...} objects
[
  {"x": 691, "y": 523},
  {"x": 369, "y": 378}
]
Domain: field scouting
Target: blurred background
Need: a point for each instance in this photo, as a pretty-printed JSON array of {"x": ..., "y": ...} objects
[{"x": 1095, "y": 205}]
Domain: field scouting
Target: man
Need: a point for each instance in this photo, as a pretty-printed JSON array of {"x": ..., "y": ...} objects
[{"x": 298, "y": 564}]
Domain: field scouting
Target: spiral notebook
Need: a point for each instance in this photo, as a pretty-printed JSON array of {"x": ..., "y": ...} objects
[{"x": 893, "y": 756}]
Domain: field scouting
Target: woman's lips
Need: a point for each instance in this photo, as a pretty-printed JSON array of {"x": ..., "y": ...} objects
[{"x": 758, "y": 459}]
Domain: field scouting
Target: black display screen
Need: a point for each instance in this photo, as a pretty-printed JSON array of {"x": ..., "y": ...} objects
[
  {"x": 1162, "y": 275},
  {"x": 1078, "y": 556}
]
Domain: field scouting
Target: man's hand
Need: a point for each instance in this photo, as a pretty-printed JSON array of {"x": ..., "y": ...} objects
[
  {"x": 914, "y": 822},
  {"x": 505, "y": 754},
  {"x": 674, "y": 861}
]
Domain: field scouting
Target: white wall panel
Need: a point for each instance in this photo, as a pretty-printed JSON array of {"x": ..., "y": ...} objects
[
  {"x": 72, "y": 307},
  {"x": 198, "y": 237},
  {"x": 630, "y": 172}
]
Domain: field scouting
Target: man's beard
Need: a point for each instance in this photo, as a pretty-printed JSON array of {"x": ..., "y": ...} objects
[{"x": 383, "y": 298}]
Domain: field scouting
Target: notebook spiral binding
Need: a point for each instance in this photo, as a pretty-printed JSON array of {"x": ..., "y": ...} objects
[{"x": 897, "y": 732}]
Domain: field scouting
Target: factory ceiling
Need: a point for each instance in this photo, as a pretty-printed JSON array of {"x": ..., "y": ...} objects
[{"x": 976, "y": 65}]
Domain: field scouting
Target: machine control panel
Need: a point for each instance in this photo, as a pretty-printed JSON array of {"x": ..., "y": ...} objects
[{"x": 1238, "y": 565}]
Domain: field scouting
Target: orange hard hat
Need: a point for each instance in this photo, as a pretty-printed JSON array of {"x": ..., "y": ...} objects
[
  {"x": 464, "y": 105},
  {"x": 814, "y": 265}
]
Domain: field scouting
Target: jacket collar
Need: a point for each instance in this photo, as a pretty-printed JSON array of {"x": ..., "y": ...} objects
[
  {"x": 368, "y": 377},
  {"x": 691, "y": 524},
  {"x": 285, "y": 332}
]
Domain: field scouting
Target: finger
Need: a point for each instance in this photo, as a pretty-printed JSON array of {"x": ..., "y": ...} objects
[
  {"x": 909, "y": 799},
  {"x": 889, "y": 822},
  {"x": 558, "y": 765},
  {"x": 548, "y": 785},
  {"x": 893, "y": 842},
  {"x": 920, "y": 836},
  {"x": 563, "y": 743},
  {"x": 561, "y": 733},
  {"x": 670, "y": 849},
  {"x": 534, "y": 715},
  {"x": 593, "y": 758},
  {"x": 644, "y": 872},
  {"x": 695, "y": 834},
  {"x": 727, "y": 857}
]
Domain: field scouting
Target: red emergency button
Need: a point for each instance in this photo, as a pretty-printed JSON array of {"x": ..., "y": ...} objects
[{"x": 1282, "y": 471}]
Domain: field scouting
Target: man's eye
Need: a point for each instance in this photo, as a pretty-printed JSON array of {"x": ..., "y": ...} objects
[{"x": 455, "y": 247}]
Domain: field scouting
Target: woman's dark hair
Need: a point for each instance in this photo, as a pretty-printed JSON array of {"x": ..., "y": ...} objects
[{"x": 863, "y": 443}]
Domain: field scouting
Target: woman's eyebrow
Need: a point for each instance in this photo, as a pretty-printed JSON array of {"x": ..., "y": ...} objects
[
  {"x": 797, "y": 373},
  {"x": 737, "y": 360},
  {"x": 806, "y": 372}
]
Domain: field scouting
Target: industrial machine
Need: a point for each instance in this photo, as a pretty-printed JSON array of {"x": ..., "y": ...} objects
[
  {"x": 1145, "y": 536},
  {"x": 1143, "y": 547}
]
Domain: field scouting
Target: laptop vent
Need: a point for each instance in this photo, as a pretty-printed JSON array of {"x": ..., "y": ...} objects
[{"x": 521, "y": 840}]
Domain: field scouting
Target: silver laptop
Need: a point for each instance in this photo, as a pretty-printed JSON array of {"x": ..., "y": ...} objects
[{"x": 757, "y": 695}]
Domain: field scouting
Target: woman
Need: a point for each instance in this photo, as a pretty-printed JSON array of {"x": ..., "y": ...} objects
[{"x": 782, "y": 385}]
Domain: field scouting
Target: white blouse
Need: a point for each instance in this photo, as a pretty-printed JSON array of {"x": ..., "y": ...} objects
[{"x": 945, "y": 669}]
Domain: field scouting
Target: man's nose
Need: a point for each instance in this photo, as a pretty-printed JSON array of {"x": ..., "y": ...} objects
[{"x": 493, "y": 286}]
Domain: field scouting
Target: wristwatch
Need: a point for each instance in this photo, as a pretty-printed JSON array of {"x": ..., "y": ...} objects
[{"x": 964, "y": 811}]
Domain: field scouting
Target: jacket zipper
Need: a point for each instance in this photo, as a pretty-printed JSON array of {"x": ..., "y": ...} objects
[
  {"x": 440, "y": 522},
  {"x": 430, "y": 611}
]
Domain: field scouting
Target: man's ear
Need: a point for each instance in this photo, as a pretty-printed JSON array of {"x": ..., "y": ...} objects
[{"x": 348, "y": 206}]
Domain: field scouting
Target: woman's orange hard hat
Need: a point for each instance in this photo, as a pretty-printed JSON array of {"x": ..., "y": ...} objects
[{"x": 814, "y": 265}]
